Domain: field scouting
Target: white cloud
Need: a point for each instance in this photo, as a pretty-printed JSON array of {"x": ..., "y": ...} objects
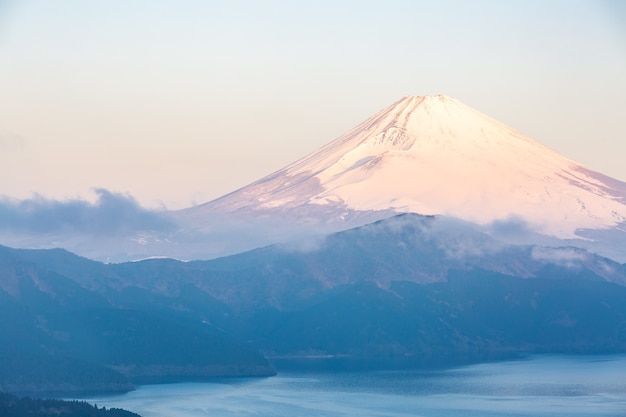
[{"x": 568, "y": 257}]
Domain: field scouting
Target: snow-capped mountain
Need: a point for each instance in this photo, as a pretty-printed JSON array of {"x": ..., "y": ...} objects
[
  {"x": 428, "y": 155},
  {"x": 432, "y": 155}
]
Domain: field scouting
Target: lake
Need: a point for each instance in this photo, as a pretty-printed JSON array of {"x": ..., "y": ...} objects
[{"x": 537, "y": 385}]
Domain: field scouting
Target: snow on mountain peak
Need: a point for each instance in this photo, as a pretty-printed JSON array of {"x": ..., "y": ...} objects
[{"x": 435, "y": 155}]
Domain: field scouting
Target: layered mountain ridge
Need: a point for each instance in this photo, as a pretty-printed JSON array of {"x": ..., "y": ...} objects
[
  {"x": 407, "y": 287},
  {"x": 434, "y": 155}
]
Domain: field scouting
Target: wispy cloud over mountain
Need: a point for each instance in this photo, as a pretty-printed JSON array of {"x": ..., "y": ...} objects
[{"x": 112, "y": 213}]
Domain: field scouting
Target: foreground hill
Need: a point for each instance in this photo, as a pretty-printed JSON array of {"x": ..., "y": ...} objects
[{"x": 12, "y": 406}]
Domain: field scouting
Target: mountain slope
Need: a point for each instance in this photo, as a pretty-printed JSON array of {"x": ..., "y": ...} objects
[
  {"x": 412, "y": 285},
  {"x": 68, "y": 324},
  {"x": 407, "y": 247},
  {"x": 432, "y": 155}
]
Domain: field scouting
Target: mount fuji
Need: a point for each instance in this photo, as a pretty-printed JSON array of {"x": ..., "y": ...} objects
[
  {"x": 426, "y": 155},
  {"x": 433, "y": 155}
]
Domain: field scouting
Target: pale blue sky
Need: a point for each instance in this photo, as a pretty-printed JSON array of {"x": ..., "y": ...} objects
[{"x": 179, "y": 102}]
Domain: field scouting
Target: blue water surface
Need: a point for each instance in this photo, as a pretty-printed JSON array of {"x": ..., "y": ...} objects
[{"x": 539, "y": 385}]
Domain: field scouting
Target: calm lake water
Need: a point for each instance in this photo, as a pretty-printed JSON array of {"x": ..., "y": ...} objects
[{"x": 542, "y": 385}]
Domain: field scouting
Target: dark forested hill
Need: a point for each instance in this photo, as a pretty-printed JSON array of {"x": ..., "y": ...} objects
[{"x": 12, "y": 406}]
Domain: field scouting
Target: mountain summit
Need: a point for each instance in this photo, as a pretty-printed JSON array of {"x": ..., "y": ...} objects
[{"x": 433, "y": 155}]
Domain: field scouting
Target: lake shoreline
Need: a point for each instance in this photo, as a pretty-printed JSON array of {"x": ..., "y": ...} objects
[{"x": 538, "y": 385}]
